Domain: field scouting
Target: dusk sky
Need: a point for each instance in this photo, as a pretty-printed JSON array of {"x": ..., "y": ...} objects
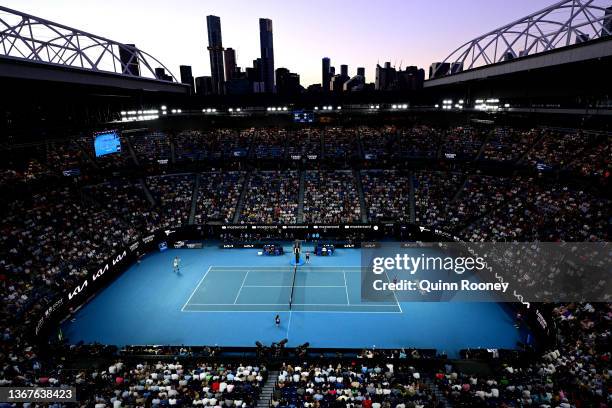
[{"x": 357, "y": 32}]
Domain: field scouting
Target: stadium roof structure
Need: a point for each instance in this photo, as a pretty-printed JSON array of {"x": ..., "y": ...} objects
[
  {"x": 34, "y": 39},
  {"x": 562, "y": 24}
]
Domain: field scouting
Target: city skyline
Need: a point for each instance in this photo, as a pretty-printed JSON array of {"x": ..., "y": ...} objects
[{"x": 358, "y": 34}]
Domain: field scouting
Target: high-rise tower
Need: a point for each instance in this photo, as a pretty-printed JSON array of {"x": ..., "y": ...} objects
[
  {"x": 267, "y": 53},
  {"x": 215, "y": 49}
]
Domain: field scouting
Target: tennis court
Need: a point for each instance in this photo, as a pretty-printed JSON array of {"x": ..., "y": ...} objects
[
  {"x": 281, "y": 289},
  {"x": 231, "y": 298}
]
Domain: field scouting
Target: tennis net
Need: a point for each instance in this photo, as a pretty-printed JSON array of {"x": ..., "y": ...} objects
[{"x": 292, "y": 287}]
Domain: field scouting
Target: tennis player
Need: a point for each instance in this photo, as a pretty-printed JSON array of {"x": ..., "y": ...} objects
[{"x": 176, "y": 264}]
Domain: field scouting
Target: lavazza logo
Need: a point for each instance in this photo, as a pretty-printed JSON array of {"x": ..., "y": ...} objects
[{"x": 97, "y": 275}]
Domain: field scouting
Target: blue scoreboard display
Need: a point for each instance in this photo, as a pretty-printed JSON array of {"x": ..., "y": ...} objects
[
  {"x": 107, "y": 142},
  {"x": 301, "y": 116}
]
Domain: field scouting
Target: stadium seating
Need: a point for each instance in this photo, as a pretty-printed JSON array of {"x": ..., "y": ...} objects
[
  {"x": 272, "y": 198},
  {"x": 57, "y": 229},
  {"x": 330, "y": 197}
]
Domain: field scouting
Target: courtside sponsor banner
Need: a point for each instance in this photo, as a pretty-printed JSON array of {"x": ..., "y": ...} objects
[{"x": 486, "y": 272}]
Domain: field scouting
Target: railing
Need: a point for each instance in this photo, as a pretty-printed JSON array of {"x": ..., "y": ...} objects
[
  {"x": 561, "y": 24},
  {"x": 27, "y": 37}
]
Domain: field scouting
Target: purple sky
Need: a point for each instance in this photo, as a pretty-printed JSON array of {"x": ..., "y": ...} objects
[{"x": 355, "y": 32}]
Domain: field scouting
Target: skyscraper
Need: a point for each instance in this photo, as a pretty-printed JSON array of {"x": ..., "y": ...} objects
[
  {"x": 255, "y": 74},
  {"x": 215, "y": 49},
  {"x": 267, "y": 53},
  {"x": 203, "y": 85},
  {"x": 438, "y": 69},
  {"x": 160, "y": 73},
  {"x": 326, "y": 74},
  {"x": 287, "y": 83},
  {"x": 344, "y": 70},
  {"x": 186, "y": 76},
  {"x": 129, "y": 59},
  {"x": 230, "y": 63},
  {"x": 385, "y": 76},
  {"x": 606, "y": 29}
]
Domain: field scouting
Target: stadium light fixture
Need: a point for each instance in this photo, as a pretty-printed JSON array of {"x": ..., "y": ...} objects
[
  {"x": 164, "y": 107},
  {"x": 230, "y": 110}
]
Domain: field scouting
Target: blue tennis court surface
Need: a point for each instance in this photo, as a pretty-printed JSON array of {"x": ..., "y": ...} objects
[
  {"x": 229, "y": 297},
  {"x": 267, "y": 288}
]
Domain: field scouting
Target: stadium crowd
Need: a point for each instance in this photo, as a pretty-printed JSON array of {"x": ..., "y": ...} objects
[
  {"x": 271, "y": 197},
  {"x": 387, "y": 195},
  {"x": 351, "y": 385},
  {"x": 330, "y": 197},
  {"x": 57, "y": 229},
  {"x": 173, "y": 194},
  {"x": 574, "y": 374},
  {"x": 218, "y": 195}
]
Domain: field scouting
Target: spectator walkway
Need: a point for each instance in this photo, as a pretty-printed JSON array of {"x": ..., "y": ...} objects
[{"x": 268, "y": 289}]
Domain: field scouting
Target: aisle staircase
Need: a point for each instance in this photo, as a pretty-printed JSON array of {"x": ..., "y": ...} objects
[
  {"x": 362, "y": 202},
  {"x": 300, "y": 214},
  {"x": 439, "y": 394},
  {"x": 194, "y": 199},
  {"x": 132, "y": 151},
  {"x": 411, "y": 198},
  {"x": 241, "y": 199},
  {"x": 265, "y": 398},
  {"x": 147, "y": 192}
]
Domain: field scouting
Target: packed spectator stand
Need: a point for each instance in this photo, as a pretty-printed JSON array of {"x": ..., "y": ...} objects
[{"x": 57, "y": 228}]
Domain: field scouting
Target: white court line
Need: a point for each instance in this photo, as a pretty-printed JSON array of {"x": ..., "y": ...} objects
[
  {"x": 293, "y": 311},
  {"x": 283, "y": 267},
  {"x": 241, "y": 286},
  {"x": 397, "y": 301},
  {"x": 276, "y": 270},
  {"x": 196, "y": 288},
  {"x": 295, "y": 286},
  {"x": 287, "y": 304},
  {"x": 346, "y": 288},
  {"x": 289, "y": 324}
]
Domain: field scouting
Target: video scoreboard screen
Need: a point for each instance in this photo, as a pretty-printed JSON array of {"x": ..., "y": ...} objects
[
  {"x": 301, "y": 116},
  {"x": 107, "y": 142}
]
